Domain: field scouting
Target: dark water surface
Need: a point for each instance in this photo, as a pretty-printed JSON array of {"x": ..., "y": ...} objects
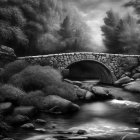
[{"x": 95, "y": 118}]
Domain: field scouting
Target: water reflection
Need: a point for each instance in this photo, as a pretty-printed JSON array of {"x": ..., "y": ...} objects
[{"x": 96, "y": 118}]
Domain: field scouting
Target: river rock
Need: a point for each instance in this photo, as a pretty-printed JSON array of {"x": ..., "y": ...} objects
[
  {"x": 7, "y": 50},
  {"x": 123, "y": 80},
  {"x": 40, "y": 130},
  {"x": 17, "y": 120},
  {"x": 28, "y": 126},
  {"x": 136, "y": 76},
  {"x": 137, "y": 69},
  {"x": 101, "y": 93},
  {"x": 131, "y": 137},
  {"x": 89, "y": 96},
  {"x": 5, "y": 108},
  {"x": 81, "y": 93},
  {"x": 133, "y": 87},
  {"x": 124, "y": 104},
  {"x": 40, "y": 121},
  {"x": 128, "y": 73},
  {"x": 55, "y": 104},
  {"x": 29, "y": 111},
  {"x": 78, "y": 83}
]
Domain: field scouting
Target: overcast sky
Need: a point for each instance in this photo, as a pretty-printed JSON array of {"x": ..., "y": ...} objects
[{"x": 93, "y": 12}]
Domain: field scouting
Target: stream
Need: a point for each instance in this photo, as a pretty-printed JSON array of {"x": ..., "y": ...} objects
[{"x": 95, "y": 118}]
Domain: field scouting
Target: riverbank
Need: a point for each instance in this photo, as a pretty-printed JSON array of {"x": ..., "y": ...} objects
[
  {"x": 36, "y": 101},
  {"x": 100, "y": 120}
]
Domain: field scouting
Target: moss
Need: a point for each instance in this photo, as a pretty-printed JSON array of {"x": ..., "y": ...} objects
[
  {"x": 35, "y": 78},
  {"x": 13, "y": 68},
  {"x": 11, "y": 93}
]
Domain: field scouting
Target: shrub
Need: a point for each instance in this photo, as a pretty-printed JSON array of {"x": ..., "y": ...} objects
[
  {"x": 35, "y": 78},
  {"x": 11, "y": 94},
  {"x": 45, "y": 79},
  {"x": 13, "y": 68},
  {"x": 64, "y": 90}
]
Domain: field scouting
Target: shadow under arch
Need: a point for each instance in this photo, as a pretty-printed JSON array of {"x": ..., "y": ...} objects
[{"x": 90, "y": 70}]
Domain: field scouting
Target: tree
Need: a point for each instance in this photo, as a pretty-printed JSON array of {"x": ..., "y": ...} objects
[
  {"x": 110, "y": 32},
  {"x": 122, "y": 35},
  {"x": 135, "y": 4},
  {"x": 23, "y": 22},
  {"x": 73, "y": 33},
  {"x": 129, "y": 36},
  {"x": 33, "y": 27}
]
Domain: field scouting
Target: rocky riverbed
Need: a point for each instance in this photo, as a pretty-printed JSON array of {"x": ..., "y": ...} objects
[
  {"x": 36, "y": 103},
  {"x": 116, "y": 119}
]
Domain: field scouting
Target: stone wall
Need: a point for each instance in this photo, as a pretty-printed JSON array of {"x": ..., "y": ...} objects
[{"x": 117, "y": 64}]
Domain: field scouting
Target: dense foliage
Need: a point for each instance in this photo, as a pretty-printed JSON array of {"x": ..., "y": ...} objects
[
  {"x": 34, "y": 27},
  {"x": 121, "y": 35}
]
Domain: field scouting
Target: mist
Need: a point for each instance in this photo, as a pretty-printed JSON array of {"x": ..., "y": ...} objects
[{"x": 93, "y": 13}]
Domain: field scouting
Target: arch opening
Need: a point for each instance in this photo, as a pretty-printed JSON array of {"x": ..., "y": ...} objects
[{"x": 89, "y": 70}]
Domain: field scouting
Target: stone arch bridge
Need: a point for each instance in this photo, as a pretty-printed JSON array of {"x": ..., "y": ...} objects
[{"x": 113, "y": 65}]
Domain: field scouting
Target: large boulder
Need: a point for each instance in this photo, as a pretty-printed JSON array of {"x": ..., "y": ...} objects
[
  {"x": 101, "y": 93},
  {"x": 56, "y": 104},
  {"x": 133, "y": 87},
  {"x": 10, "y": 93},
  {"x": 124, "y": 105},
  {"x": 28, "y": 126},
  {"x": 7, "y": 55},
  {"x": 123, "y": 80},
  {"x": 137, "y": 69},
  {"x": 6, "y": 108},
  {"x": 136, "y": 76},
  {"x": 16, "y": 120},
  {"x": 51, "y": 103},
  {"x": 29, "y": 111},
  {"x": 7, "y": 50}
]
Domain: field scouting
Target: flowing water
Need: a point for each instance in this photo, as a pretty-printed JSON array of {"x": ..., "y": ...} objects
[{"x": 95, "y": 118}]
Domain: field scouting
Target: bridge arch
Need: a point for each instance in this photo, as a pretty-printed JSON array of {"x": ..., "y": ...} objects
[{"x": 90, "y": 69}]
